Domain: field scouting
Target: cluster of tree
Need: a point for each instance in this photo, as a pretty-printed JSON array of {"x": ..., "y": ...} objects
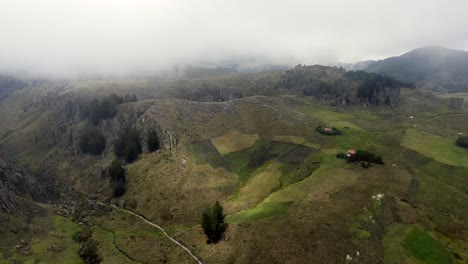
[
  {"x": 372, "y": 83},
  {"x": 117, "y": 177},
  {"x": 128, "y": 144},
  {"x": 152, "y": 140},
  {"x": 462, "y": 142},
  {"x": 88, "y": 246},
  {"x": 106, "y": 108},
  {"x": 333, "y": 131},
  {"x": 213, "y": 222},
  {"x": 362, "y": 157},
  {"x": 92, "y": 141}
]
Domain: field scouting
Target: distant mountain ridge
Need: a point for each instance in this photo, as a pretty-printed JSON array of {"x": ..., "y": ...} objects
[{"x": 430, "y": 67}]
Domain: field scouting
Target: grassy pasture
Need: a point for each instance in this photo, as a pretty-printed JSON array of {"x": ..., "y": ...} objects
[
  {"x": 436, "y": 147},
  {"x": 205, "y": 152},
  {"x": 244, "y": 162},
  {"x": 323, "y": 181},
  {"x": 256, "y": 188},
  {"x": 234, "y": 141},
  {"x": 426, "y": 248}
]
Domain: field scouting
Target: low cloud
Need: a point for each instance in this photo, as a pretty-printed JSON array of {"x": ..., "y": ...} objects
[{"x": 69, "y": 37}]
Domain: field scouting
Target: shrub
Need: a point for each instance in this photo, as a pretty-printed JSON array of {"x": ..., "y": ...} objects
[
  {"x": 362, "y": 157},
  {"x": 117, "y": 178},
  {"x": 213, "y": 222},
  {"x": 88, "y": 252},
  {"x": 462, "y": 142},
  {"x": 92, "y": 141},
  {"x": 128, "y": 144},
  {"x": 82, "y": 235},
  {"x": 152, "y": 140}
]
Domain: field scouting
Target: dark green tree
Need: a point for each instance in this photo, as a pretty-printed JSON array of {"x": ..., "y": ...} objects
[
  {"x": 117, "y": 178},
  {"x": 213, "y": 222},
  {"x": 104, "y": 109},
  {"x": 128, "y": 144},
  {"x": 92, "y": 141},
  {"x": 152, "y": 140}
]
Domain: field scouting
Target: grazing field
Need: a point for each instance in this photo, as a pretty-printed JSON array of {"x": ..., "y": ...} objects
[
  {"x": 234, "y": 141},
  {"x": 256, "y": 188},
  {"x": 246, "y": 161},
  {"x": 426, "y": 248},
  {"x": 318, "y": 186},
  {"x": 203, "y": 152},
  {"x": 436, "y": 147}
]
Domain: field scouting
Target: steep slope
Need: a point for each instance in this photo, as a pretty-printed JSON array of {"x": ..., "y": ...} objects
[
  {"x": 17, "y": 187},
  {"x": 432, "y": 67}
]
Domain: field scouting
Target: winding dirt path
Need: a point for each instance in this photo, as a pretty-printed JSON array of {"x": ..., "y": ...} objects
[
  {"x": 114, "y": 241},
  {"x": 192, "y": 254}
]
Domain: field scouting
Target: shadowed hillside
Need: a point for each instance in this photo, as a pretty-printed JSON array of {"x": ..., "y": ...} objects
[{"x": 431, "y": 67}]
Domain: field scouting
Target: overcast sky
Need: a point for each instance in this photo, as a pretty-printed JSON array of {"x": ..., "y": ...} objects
[{"x": 123, "y": 36}]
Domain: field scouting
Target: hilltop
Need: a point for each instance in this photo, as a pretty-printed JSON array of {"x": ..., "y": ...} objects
[{"x": 431, "y": 67}]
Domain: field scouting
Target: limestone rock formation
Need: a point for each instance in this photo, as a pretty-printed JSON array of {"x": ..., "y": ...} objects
[{"x": 15, "y": 182}]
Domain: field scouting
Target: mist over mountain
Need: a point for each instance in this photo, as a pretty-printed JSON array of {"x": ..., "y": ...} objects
[{"x": 431, "y": 67}]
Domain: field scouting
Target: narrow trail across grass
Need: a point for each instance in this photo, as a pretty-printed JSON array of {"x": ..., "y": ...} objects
[
  {"x": 114, "y": 242},
  {"x": 191, "y": 253}
]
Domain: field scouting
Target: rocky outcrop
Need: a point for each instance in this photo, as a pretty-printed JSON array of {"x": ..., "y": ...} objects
[
  {"x": 456, "y": 103},
  {"x": 63, "y": 122},
  {"x": 16, "y": 186}
]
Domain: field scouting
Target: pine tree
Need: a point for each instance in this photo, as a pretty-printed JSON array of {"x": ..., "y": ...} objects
[{"x": 213, "y": 222}]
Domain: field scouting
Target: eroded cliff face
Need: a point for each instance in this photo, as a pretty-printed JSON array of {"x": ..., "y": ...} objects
[{"x": 17, "y": 187}]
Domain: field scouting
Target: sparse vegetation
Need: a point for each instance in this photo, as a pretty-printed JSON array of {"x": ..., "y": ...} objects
[
  {"x": 128, "y": 144},
  {"x": 213, "y": 222},
  {"x": 92, "y": 141},
  {"x": 462, "y": 142}
]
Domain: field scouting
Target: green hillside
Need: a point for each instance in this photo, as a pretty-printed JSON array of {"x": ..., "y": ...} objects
[{"x": 286, "y": 195}]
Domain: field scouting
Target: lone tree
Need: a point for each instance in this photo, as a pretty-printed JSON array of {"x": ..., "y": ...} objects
[
  {"x": 152, "y": 140},
  {"x": 117, "y": 178},
  {"x": 213, "y": 222}
]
